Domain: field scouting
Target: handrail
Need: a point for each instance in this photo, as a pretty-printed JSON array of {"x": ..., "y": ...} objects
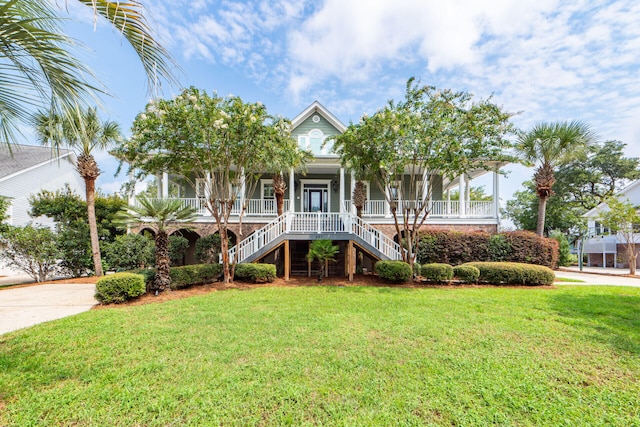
[{"x": 317, "y": 222}]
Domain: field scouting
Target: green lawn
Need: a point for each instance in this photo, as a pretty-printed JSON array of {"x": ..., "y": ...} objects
[{"x": 351, "y": 356}]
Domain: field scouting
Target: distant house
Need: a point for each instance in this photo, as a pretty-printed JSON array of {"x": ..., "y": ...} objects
[
  {"x": 318, "y": 205},
  {"x": 27, "y": 169},
  {"x": 604, "y": 249}
]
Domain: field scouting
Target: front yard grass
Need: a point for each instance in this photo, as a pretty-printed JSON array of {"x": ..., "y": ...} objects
[{"x": 344, "y": 356}]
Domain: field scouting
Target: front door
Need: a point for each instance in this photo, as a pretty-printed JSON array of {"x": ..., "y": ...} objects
[{"x": 316, "y": 198}]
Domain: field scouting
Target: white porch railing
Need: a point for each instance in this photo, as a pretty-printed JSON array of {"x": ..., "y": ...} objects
[
  {"x": 438, "y": 209},
  {"x": 372, "y": 208},
  {"x": 257, "y": 207},
  {"x": 320, "y": 222}
]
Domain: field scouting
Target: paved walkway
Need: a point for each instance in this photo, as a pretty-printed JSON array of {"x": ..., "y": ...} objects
[
  {"x": 27, "y": 306},
  {"x": 598, "y": 276}
]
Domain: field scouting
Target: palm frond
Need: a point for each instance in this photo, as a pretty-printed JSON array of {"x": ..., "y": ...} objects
[
  {"x": 129, "y": 18},
  {"x": 38, "y": 67}
]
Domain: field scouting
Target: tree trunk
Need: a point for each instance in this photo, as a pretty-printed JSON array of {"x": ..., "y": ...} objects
[
  {"x": 88, "y": 170},
  {"x": 631, "y": 255},
  {"x": 279, "y": 187},
  {"x": 224, "y": 247},
  {"x": 542, "y": 209},
  {"x": 544, "y": 179},
  {"x": 90, "y": 188},
  {"x": 163, "y": 278},
  {"x": 359, "y": 197}
]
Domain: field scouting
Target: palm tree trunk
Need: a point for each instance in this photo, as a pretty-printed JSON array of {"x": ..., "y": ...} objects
[
  {"x": 279, "y": 187},
  {"x": 542, "y": 211},
  {"x": 90, "y": 189},
  {"x": 163, "y": 277}
]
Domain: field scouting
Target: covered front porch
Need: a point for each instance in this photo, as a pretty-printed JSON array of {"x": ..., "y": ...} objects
[{"x": 327, "y": 187}]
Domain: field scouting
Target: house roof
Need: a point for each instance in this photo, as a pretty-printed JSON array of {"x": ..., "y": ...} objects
[
  {"x": 21, "y": 158},
  {"x": 316, "y": 107},
  {"x": 625, "y": 191}
]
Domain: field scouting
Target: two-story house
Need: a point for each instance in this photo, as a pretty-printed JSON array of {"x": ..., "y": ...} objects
[{"x": 318, "y": 206}]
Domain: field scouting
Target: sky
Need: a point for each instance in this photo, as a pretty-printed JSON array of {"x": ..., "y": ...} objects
[{"x": 546, "y": 60}]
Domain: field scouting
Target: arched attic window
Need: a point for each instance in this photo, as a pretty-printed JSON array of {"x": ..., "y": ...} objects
[{"x": 313, "y": 141}]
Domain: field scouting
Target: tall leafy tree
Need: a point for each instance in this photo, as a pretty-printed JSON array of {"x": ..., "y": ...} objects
[
  {"x": 69, "y": 212},
  {"x": 41, "y": 69},
  {"x": 159, "y": 215},
  {"x": 429, "y": 132},
  {"x": 548, "y": 146},
  {"x": 623, "y": 219},
  {"x": 581, "y": 184},
  {"x": 224, "y": 143},
  {"x": 84, "y": 133}
]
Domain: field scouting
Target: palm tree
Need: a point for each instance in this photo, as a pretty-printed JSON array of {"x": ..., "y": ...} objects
[
  {"x": 359, "y": 197},
  {"x": 279, "y": 187},
  {"x": 41, "y": 70},
  {"x": 158, "y": 214},
  {"x": 324, "y": 251},
  {"x": 83, "y": 132},
  {"x": 549, "y": 145}
]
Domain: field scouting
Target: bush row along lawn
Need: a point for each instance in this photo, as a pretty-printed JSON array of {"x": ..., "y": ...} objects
[{"x": 335, "y": 356}]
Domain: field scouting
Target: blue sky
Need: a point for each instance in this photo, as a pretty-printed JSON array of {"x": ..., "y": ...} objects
[{"x": 547, "y": 59}]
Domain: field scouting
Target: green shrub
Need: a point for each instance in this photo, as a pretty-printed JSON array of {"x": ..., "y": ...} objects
[
  {"x": 256, "y": 273},
  {"x": 466, "y": 273},
  {"x": 208, "y": 248},
  {"x": 564, "y": 252},
  {"x": 395, "y": 271},
  {"x": 177, "y": 249},
  {"x": 456, "y": 247},
  {"x": 128, "y": 252},
  {"x": 498, "y": 248},
  {"x": 513, "y": 273},
  {"x": 120, "y": 287},
  {"x": 185, "y": 276},
  {"x": 417, "y": 269},
  {"x": 437, "y": 272}
]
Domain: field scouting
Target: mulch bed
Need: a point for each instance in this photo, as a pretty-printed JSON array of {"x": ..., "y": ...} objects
[{"x": 358, "y": 280}]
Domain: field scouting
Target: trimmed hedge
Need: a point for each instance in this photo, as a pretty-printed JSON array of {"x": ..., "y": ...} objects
[
  {"x": 513, "y": 273},
  {"x": 466, "y": 273},
  {"x": 437, "y": 272},
  {"x": 395, "y": 271},
  {"x": 186, "y": 276},
  {"x": 120, "y": 287},
  {"x": 456, "y": 247},
  {"x": 255, "y": 273}
]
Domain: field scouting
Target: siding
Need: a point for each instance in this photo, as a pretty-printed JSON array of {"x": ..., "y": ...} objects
[{"x": 52, "y": 176}]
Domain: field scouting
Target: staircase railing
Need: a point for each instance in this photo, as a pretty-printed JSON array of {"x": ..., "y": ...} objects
[
  {"x": 317, "y": 222},
  {"x": 259, "y": 238}
]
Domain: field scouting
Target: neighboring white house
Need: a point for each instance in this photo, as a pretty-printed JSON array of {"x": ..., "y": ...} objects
[
  {"x": 602, "y": 248},
  {"x": 27, "y": 169}
]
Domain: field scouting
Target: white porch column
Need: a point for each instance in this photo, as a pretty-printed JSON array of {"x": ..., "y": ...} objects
[
  {"x": 461, "y": 196},
  {"x": 352, "y": 208},
  {"x": 342, "y": 190},
  {"x": 165, "y": 185},
  {"x": 448, "y": 211},
  {"x": 292, "y": 191},
  {"x": 496, "y": 196}
]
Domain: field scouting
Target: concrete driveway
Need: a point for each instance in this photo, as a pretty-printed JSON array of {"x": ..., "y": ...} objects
[
  {"x": 29, "y": 305},
  {"x": 612, "y": 279}
]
